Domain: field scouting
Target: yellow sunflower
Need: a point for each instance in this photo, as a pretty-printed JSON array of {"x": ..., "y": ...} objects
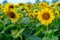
[
  {"x": 31, "y": 15},
  {"x": 9, "y": 6},
  {"x": 16, "y": 6},
  {"x": 28, "y": 6},
  {"x": 43, "y": 5},
  {"x": 1, "y": 17},
  {"x": 57, "y": 4},
  {"x": 0, "y": 7},
  {"x": 13, "y": 16},
  {"x": 35, "y": 11},
  {"x": 20, "y": 4},
  {"x": 56, "y": 12},
  {"x": 25, "y": 10},
  {"x": 37, "y": 4},
  {"x": 52, "y": 5},
  {"x": 46, "y": 16}
]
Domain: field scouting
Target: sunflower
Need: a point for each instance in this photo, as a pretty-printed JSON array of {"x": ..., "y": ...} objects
[
  {"x": 57, "y": 4},
  {"x": 13, "y": 16},
  {"x": 28, "y": 6},
  {"x": 0, "y": 6},
  {"x": 1, "y": 17},
  {"x": 46, "y": 16},
  {"x": 31, "y": 15},
  {"x": 25, "y": 10},
  {"x": 9, "y": 6},
  {"x": 16, "y": 6},
  {"x": 56, "y": 12},
  {"x": 20, "y": 4},
  {"x": 37, "y": 4},
  {"x": 43, "y": 5},
  {"x": 52, "y": 5},
  {"x": 35, "y": 11}
]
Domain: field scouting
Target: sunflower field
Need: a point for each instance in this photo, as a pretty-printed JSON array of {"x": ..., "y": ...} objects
[{"x": 30, "y": 21}]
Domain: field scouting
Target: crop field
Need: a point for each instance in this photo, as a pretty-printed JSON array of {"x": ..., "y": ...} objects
[{"x": 30, "y": 21}]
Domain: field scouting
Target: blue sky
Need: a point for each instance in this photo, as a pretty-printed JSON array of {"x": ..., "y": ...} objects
[{"x": 17, "y": 1}]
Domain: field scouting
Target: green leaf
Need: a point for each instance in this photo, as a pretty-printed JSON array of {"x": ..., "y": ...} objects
[
  {"x": 25, "y": 20},
  {"x": 1, "y": 26},
  {"x": 45, "y": 38},
  {"x": 18, "y": 33},
  {"x": 48, "y": 38},
  {"x": 33, "y": 38},
  {"x": 54, "y": 38},
  {"x": 38, "y": 24},
  {"x": 38, "y": 32}
]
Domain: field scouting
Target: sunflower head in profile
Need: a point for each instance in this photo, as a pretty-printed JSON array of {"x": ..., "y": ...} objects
[
  {"x": 16, "y": 6},
  {"x": 0, "y": 7},
  {"x": 20, "y": 4},
  {"x": 35, "y": 11},
  {"x": 28, "y": 6},
  {"x": 9, "y": 6},
  {"x": 46, "y": 16},
  {"x": 25, "y": 10},
  {"x": 57, "y": 4},
  {"x": 56, "y": 13},
  {"x": 31, "y": 15},
  {"x": 37, "y": 4},
  {"x": 13, "y": 16},
  {"x": 43, "y": 5},
  {"x": 52, "y": 5}
]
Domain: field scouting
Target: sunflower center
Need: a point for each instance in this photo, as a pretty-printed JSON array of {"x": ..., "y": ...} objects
[
  {"x": 31, "y": 15},
  {"x": 0, "y": 8},
  {"x": 23, "y": 9},
  {"x": 46, "y": 16},
  {"x": 56, "y": 14},
  {"x": 28, "y": 5},
  {"x": 59, "y": 4},
  {"x": 36, "y": 11},
  {"x": 11, "y": 6},
  {"x": 52, "y": 5},
  {"x": 11, "y": 14},
  {"x": 20, "y": 4}
]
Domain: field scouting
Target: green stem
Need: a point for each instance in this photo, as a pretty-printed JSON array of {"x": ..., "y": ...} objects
[
  {"x": 21, "y": 37},
  {"x": 4, "y": 29},
  {"x": 38, "y": 32},
  {"x": 47, "y": 31},
  {"x": 47, "y": 28},
  {"x": 14, "y": 38}
]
